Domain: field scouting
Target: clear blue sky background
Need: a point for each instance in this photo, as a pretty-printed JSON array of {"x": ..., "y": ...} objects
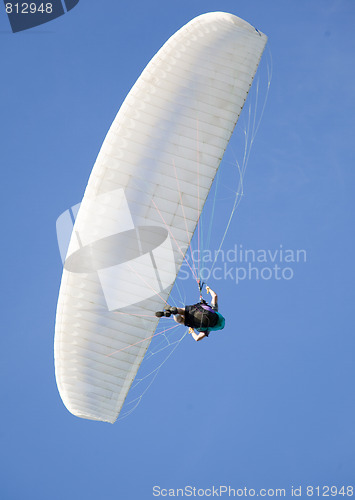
[{"x": 267, "y": 403}]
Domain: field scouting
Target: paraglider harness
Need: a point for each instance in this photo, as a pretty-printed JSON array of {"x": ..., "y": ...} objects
[{"x": 201, "y": 315}]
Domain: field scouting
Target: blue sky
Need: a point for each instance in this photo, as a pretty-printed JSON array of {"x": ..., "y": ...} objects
[{"x": 268, "y": 402}]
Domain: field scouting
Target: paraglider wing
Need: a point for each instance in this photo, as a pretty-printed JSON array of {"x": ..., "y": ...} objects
[{"x": 141, "y": 206}]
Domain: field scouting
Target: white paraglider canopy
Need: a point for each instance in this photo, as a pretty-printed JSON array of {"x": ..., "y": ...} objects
[{"x": 141, "y": 206}]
